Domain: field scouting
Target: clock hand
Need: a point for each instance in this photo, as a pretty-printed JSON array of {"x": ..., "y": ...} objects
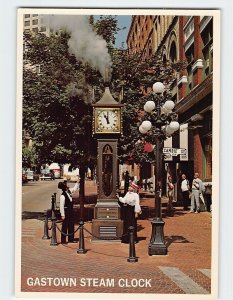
[{"x": 108, "y": 117}]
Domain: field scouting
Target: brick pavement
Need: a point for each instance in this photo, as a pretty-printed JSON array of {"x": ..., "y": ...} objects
[{"x": 186, "y": 268}]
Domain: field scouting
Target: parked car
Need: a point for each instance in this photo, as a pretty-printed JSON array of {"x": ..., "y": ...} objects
[
  {"x": 24, "y": 177},
  {"x": 31, "y": 175},
  {"x": 47, "y": 174}
]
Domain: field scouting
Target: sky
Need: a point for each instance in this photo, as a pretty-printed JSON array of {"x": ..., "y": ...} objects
[{"x": 123, "y": 21}]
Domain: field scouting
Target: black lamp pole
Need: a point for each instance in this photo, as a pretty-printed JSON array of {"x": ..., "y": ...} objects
[
  {"x": 157, "y": 244},
  {"x": 163, "y": 122}
]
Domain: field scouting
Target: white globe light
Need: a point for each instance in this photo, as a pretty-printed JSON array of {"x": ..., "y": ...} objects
[
  {"x": 169, "y": 105},
  {"x": 169, "y": 130},
  {"x": 158, "y": 87},
  {"x": 149, "y": 106},
  {"x": 146, "y": 125},
  {"x": 174, "y": 125},
  {"x": 142, "y": 130}
]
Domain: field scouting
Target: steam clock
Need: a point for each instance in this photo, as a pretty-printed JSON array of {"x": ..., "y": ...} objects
[{"x": 107, "y": 126}]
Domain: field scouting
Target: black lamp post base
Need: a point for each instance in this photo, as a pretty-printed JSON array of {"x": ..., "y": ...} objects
[
  {"x": 157, "y": 242},
  {"x": 132, "y": 259}
]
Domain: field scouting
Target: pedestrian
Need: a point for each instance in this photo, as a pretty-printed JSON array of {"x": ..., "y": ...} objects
[
  {"x": 170, "y": 188},
  {"x": 131, "y": 211},
  {"x": 66, "y": 210},
  {"x": 197, "y": 190},
  {"x": 185, "y": 189}
]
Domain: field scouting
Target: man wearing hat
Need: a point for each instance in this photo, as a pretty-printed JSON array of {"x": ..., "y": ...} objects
[
  {"x": 132, "y": 209},
  {"x": 66, "y": 210}
]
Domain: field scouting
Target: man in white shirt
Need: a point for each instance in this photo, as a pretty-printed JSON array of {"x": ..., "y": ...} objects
[
  {"x": 131, "y": 210},
  {"x": 66, "y": 210},
  {"x": 185, "y": 188}
]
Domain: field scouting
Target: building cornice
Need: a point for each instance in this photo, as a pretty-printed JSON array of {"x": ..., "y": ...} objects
[{"x": 198, "y": 64}]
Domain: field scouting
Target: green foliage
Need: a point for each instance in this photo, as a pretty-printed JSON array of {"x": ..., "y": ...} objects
[
  {"x": 55, "y": 100},
  {"x": 136, "y": 76}
]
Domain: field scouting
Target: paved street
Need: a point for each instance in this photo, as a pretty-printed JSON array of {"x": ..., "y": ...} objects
[
  {"x": 36, "y": 195},
  {"x": 104, "y": 268}
]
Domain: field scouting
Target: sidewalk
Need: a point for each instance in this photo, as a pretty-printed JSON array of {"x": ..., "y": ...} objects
[{"x": 104, "y": 268}]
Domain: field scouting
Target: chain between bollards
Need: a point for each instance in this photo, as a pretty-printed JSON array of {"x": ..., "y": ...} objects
[{"x": 132, "y": 254}]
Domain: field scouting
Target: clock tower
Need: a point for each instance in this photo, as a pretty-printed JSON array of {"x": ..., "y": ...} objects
[{"x": 107, "y": 127}]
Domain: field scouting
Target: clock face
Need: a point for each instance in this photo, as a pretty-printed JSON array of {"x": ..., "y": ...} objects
[{"x": 107, "y": 120}]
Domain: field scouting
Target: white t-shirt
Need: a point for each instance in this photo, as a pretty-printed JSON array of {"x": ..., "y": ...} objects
[
  {"x": 184, "y": 185},
  {"x": 132, "y": 199}
]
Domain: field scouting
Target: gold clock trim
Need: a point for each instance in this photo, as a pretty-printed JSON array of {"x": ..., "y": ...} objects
[{"x": 98, "y": 110}]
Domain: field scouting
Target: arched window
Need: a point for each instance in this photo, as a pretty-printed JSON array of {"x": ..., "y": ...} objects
[
  {"x": 173, "y": 52},
  {"x": 164, "y": 58}
]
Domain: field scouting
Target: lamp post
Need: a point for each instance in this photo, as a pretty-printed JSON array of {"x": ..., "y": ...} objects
[{"x": 161, "y": 123}]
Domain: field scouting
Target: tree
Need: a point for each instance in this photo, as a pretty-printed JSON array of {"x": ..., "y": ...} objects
[
  {"x": 136, "y": 76},
  {"x": 55, "y": 100}
]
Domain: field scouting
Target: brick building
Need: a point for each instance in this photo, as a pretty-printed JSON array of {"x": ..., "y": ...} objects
[{"x": 190, "y": 39}]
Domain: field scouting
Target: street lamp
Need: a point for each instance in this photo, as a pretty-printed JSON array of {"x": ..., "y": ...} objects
[{"x": 161, "y": 123}]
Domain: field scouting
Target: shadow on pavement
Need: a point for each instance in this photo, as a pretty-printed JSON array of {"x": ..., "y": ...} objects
[{"x": 176, "y": 239}]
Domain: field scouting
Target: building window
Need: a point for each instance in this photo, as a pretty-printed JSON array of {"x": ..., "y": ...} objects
[
  {"x": 36, "y": 15},
  {"x": 43, "y": 29},
  {"x": 26, "y": 16},
  {"x": 189, "y": 29},
  {"x": 35, "y": 29},
  {"x": 190, "y": 60},
  {"x": 35, "y": 22},
  {"x": 164, "y": 59},
  {"x": 173, "y": 52},
  {"x": 207, "y": 50},
  {"x": 26, "y": 23}
]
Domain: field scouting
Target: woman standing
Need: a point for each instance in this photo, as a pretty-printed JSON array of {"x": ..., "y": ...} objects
[{"x": 170, "y": 187}]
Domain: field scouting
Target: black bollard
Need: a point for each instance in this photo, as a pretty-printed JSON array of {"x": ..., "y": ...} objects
[
  {"x": 46, "y": 227},
  {"x": 53, "y": 203},
  {"x": 132, "y": 255},
  {"x": 81, "y": 249},
  {"x": 55, "y": 200},
  {"x": 54, "y": 234}
]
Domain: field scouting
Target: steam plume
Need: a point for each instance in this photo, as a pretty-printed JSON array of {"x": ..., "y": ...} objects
[{"x": 84, "y": 43}]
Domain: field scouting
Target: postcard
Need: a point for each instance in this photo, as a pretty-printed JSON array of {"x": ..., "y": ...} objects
[{"x": 117, "y": 153}]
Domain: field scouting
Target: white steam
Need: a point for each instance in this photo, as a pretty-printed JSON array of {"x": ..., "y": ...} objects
[{"x": 84, "y": 43}]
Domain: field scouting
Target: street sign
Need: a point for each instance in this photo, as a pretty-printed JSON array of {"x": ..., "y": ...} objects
[{"x": 174, "y": 151}]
